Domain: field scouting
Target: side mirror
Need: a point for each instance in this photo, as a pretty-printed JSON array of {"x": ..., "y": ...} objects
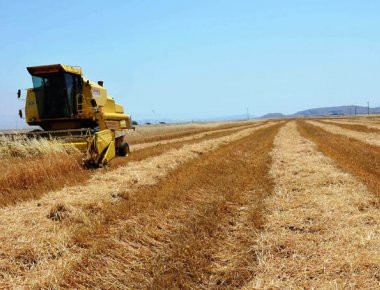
[
  {"x": 20, "y": 113},
  {"x": 18, "y": 94}
]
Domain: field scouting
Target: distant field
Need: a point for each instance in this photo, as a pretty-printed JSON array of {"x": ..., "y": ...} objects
[{"x": 285, "y": 203}]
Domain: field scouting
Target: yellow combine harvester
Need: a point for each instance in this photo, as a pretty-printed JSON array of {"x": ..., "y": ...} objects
[{"x": 69, "y": 107}]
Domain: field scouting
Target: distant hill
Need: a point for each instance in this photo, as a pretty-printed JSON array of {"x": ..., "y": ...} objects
[
  {"x": 273, "y": 116},
  {"x": 341, "y": 110},
  {"x": 324, "y": 111},
  {"x": 328, "y": 111}
]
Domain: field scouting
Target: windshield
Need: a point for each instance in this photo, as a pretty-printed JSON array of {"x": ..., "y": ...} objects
[{"x": 55, "y": 94}]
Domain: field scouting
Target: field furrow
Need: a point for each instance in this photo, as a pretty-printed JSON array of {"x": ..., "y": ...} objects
[
  {"x": 31, "y": 178},
  {"x": 191, "y": 230},
  {"x": 157, "y": 133},
  {"x": 145, "y": 150},
  {"x": 322, "y": 224},
  {"x": 370, "y": 138},
  {"x": 188, "y": 137},
  {"x": 239, "y": 205},
  {"x": 51, "y": 243},
  {"x": 358, "y": 158},
  {"x": 365, "y": 128},
  {"x": 365, "y": 121}
]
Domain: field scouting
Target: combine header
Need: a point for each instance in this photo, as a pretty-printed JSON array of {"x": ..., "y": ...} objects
[{"x": 69, "y": 107}]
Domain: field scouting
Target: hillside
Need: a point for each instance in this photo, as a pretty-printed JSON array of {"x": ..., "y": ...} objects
[
  {"x": 328, "y": 111},
  {"x": 273, "y": 115},
  {"x": 341, "y": 110}
]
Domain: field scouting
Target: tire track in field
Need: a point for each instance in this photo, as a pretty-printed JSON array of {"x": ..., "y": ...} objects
[
  {"x": 358, "y": 158},
  {"x": 47, "y": 248},
  {"x": 323, "y": 227},
  {"x": 194, "y": 229},
  {"x": 370, "y": 138}
]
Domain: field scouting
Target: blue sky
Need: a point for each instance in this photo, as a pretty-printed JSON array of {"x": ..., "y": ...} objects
[{"x": 199, "y": 59}]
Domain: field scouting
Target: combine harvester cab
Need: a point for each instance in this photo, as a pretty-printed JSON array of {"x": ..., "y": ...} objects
[{"x": 69, "y": 107}]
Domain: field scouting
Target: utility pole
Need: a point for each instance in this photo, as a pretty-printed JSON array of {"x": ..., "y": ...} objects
[
  {"x": 368, "y": 107},
  {"x": 247, "y": 113},
  {"x": 154, "y": 116},
  {"x": 355, "y": 110}
]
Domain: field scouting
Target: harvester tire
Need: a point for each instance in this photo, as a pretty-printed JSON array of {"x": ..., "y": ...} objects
[{"x": 123, "y": 150}]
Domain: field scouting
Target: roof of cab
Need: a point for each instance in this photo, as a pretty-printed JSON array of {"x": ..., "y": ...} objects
[{"x": 52, "y": 68}]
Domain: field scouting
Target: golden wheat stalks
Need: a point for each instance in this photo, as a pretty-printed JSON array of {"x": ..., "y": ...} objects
[{"x": 22, "y": 146}]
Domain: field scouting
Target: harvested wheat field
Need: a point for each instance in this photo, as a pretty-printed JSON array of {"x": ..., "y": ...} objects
[{"x": 253, "y": 205}]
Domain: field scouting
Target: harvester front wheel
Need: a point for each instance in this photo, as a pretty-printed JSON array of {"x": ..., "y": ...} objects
[{"x": 123, "y": 150}]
